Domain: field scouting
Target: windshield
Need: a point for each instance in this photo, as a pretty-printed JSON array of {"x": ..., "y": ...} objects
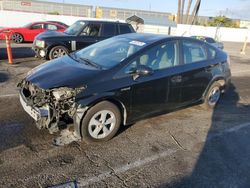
[
  {"x": 75, "y": 28},
  {"x": 110, "y": 52}
]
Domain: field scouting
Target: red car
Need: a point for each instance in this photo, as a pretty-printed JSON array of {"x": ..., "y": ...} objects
[{"x": 28, "y": 32}]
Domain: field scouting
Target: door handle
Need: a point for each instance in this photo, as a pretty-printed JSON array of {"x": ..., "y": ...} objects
[{"x": 176, "y": 79}]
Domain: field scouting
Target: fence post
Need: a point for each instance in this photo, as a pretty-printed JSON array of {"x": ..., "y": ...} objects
[{"x": 243, "y": 50}]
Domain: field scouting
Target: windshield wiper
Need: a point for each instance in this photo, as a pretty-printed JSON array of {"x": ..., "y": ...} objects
[{"x": 89, "y": 62}]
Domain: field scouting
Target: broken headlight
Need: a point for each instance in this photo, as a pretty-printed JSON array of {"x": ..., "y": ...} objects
[
  {"x": 65, "y": 92},
  {"x": 40, "y": 43}
]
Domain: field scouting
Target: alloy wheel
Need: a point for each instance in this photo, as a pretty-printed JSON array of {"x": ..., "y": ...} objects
[{"x": 102, "y": 124}]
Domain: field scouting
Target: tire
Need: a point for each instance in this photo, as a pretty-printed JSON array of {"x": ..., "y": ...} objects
[
  {"x": 212, "y": 96},
  {"x": 17, "y": 38},
  {"x": 57, "y": 51},
  {"x": 93, "y": 125}
]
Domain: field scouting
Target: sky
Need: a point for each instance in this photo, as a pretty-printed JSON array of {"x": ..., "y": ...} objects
[{"x": 230, "y": 8}]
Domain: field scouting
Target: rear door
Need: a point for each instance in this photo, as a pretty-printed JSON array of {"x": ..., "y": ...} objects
[{"x": 196, "y": 71}]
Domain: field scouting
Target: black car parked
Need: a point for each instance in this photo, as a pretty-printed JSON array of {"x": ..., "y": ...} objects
[
  {"x": 51, "y": 45},
  {"x": 122, "y": 80}
]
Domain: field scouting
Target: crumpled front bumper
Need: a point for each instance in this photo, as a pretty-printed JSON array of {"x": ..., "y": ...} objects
[
  {"x": 39, "y": 52},
  {"x": 35, "y": 113}
]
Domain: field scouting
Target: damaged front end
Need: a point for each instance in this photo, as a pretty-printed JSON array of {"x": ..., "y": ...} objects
[{"x": 50, "y": 108}]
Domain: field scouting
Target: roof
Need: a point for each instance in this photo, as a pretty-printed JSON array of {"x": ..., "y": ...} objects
[
  {"x": 161, "y": 21},
  {"x": 145, "y": 37}
]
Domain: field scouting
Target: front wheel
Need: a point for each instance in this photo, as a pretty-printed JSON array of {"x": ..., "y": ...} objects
[
  {"x": 213, "y": 95},
  {"x": 57, "y": 51},
  {"x": 17, "y": 38},
  {"x": 101, "y": 122}
]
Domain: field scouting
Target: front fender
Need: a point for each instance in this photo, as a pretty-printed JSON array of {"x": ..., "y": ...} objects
[{"x": 85, "y": 104}]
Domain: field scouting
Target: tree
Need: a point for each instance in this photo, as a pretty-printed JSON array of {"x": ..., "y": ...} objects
[{"x": 222, "y": 21}]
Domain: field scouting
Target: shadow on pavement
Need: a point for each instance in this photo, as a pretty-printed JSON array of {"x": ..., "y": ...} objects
[
  {"x": 17, "y": 52},
  {"x": 3, "y": 77},
  {"x": 224, "y": 159}
]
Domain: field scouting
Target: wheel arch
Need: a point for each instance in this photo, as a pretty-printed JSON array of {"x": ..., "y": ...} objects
[
  {"x": 16, "y": 32},
  {"x": 87, "y": 107},
  {"x": 49, "y": 48},
  {"x": 218, "y": 79}
]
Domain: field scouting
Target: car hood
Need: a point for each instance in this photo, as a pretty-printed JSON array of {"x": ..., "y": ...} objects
[
  {"x": 10, "y": 29},
  {"x": 48, "y": 34},
  {"x": 62, "y": 72}
]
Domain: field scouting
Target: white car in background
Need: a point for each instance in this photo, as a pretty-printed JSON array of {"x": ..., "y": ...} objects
[{"x": 211, "y": 41}]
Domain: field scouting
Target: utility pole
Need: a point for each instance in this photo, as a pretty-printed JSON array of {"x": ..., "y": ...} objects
[
  {"x": 195, "y": 11},
  {"x": 179, "y": 11},
  {"x": 182, "y": 10},
  {"x": 187, "y": 12}
]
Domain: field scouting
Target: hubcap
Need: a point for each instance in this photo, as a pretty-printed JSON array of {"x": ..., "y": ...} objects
[
  {"x": 214, "y": 96},
  {"x": 59, "y": 52},
  {"x": 17, "y": 38},
  {"x": 102, "y": 124}
]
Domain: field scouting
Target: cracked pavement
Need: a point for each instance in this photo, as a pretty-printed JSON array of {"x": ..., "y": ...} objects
[{"x": 187, "y": 148}]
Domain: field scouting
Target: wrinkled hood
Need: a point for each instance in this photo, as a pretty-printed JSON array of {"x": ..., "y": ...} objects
[
  {"x": 61, "y": 72},
  {"x": 48, "y": 34}
]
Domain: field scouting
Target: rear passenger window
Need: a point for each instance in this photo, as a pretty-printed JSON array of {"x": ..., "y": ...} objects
[
  {"x": 193, "y": 52},
  {"x": 124, "y": 29},
  {"x": 50, "y": 27},
  {"x": 108, "y": 30}
]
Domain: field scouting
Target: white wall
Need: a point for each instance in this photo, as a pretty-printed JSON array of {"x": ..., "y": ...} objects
[
  {"x": 223, "y": 33},
  {"x": 16, "y": 19}
]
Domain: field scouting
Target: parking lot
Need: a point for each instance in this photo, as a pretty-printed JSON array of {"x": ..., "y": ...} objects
[{"x": 187, "y": 148}]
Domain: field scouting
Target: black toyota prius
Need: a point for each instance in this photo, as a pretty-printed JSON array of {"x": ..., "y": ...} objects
[{"x": 121, "y": 80}]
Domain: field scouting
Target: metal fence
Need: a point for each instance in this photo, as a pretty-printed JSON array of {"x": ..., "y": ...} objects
[
  {"x": 47, "y": 8},
  {"x": 123, "y": 14}
]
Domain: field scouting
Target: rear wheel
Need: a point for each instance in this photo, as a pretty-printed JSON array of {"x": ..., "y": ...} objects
[
  {"x": 17, "y": 38},
  {"x": 212, "y": 96},
  {"x": 57, "y": 51},
  {"x": 101, "y": 122}
]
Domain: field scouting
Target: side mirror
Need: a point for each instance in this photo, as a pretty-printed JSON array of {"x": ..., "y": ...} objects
[{"x": 142, "y": 70}]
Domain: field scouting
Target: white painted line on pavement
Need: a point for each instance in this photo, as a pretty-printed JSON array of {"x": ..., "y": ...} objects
[
  {"x": 9, "y": 95},
  {"x": 104, "y": 175},
  {"x": 90, "y": 180}
]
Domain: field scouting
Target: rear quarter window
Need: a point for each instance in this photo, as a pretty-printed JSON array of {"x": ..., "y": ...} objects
[
  {"x": 211, "y": 52},
  {"x": 123, "y": 28}
]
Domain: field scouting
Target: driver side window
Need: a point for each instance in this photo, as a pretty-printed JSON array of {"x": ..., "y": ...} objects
[
  {"x": 91, "y": 30},
  {"x": 158, "y": 57}
]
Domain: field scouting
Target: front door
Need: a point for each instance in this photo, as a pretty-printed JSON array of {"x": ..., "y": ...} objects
[
  {"x": 150, "y": 93},
  {"x": 34, "y": 30},
  {"x": 89, "y": 35}
]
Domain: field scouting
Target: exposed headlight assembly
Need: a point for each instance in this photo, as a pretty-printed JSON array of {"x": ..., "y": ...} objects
[
  {"x": 66, "y": 93},
  {"x": 40, "y": 43}
]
